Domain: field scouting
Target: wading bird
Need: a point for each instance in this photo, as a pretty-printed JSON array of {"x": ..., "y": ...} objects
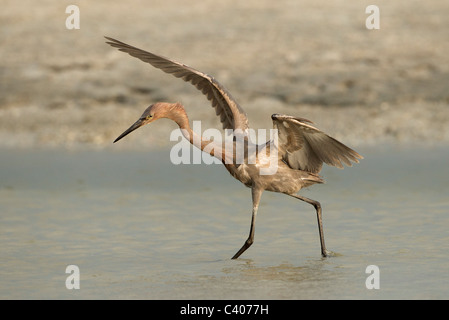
[{"x": 300, "y": 149}]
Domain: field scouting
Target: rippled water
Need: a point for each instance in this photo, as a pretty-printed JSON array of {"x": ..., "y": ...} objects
[{"x": 139, "y": 227}]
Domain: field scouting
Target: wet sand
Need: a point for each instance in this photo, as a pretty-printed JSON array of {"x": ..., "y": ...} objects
[{"x": 66, "y": 88}]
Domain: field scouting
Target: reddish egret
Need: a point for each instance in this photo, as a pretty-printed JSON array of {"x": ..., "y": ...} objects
[{"x": 301, "y": 149}]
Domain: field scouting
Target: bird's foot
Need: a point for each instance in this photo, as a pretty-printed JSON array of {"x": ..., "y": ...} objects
[{"x": 327, "y": 254}]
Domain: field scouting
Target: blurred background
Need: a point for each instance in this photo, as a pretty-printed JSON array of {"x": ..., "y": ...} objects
[{"x": 313, "y": 59}]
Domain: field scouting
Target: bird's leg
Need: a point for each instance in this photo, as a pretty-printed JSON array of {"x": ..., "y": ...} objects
[
  {"x": 317, "y": 207},
  {"x": 256, "y": 193}
]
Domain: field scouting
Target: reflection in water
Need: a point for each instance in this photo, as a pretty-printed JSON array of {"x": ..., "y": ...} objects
[
  {"x": 246, "y": 279},
  {"x": 282, "y": 272}
]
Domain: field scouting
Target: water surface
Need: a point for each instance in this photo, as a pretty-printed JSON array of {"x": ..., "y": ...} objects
[{"x": 139, "y": 227}]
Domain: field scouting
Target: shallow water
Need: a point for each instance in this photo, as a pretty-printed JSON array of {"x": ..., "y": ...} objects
[{"x": 139, "y": 227}]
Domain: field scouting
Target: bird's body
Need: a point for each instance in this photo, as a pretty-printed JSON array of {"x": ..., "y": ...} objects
[{"x": 285, "y": 164}]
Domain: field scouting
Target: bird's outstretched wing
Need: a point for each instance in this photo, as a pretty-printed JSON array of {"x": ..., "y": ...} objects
[
  {"x": 231, "y": 114},
  {"x": 304, "y": 147}
]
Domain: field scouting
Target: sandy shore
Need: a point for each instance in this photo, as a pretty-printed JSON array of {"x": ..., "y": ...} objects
[{"x": 67, "y": 88}]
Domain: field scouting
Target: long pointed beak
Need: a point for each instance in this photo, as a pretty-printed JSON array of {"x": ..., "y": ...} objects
[{"x": 135, "y": 126}]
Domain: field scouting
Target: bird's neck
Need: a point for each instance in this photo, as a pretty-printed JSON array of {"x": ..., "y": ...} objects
[{"x": 180, "y": 117}]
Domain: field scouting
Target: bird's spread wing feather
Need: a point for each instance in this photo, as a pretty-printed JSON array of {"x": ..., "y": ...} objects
[
  {"x": 231, "y": 114},
  {"x": 304, "y": 147}
]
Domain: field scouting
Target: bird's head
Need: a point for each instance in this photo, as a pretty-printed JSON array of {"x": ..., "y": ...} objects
[{"x": 154, "y": 112}]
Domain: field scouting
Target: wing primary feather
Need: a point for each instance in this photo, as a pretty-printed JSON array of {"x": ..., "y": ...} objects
[
  {"x": 231, "y": 114},
  {"x": 306, "y": 148}
]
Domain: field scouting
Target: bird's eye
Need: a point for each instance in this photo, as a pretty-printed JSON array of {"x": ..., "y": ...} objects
[{"x": 149, "y": 117}]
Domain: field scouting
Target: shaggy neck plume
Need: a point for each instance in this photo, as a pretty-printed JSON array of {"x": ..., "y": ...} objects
[{"x": 177, "y": 113}]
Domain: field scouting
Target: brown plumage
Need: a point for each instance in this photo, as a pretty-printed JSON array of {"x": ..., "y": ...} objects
[{"x": 297, "y": 153}]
